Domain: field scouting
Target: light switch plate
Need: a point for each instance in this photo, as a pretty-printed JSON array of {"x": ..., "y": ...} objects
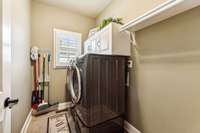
[{"x": 130, "y": 64}]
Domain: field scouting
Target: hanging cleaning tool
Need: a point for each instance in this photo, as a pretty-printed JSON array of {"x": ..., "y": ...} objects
[
  {"x": 34, "y": 59},
  {"x": 42, "y": 77},
  {"x": 39, "y": 65},
  {"x": 49, "y": 60},
  {"x": 44, "y": 105},
  {"x": 39, "y": 78},
  {"x": 44, "y": 60},
  {"x": 37, "y": 82}
]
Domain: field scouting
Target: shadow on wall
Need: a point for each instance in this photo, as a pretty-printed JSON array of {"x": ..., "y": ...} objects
[
  {"x": 164, "y": 95},
  {"x": 133, "y": 112},
  {"x": 67, "y": 94}
]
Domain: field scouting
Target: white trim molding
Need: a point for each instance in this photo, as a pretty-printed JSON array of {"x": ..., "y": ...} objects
[
  {"x": 27, "y": 122},
  {"x": 130, "y": 128}
]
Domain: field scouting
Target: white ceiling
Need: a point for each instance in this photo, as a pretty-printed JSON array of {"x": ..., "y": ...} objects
[{"x": 90, "y": 8}]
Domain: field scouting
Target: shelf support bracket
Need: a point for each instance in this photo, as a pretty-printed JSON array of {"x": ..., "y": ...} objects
[{"x": 133, "y": 39}]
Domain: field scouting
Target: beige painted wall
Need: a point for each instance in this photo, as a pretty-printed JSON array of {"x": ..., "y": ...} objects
[
  {"x": 128, "y": 9},
  {"x": 164, "y": 95},
  {"x": 1, "y": 126},
  {"x": 21, "y": 75},
  {"x": 44, "y": 19},
  {"x": 168, "y": 76}
]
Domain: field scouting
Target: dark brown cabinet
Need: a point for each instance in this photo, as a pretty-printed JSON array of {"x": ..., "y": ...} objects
[{"x": 102, "y": 103}]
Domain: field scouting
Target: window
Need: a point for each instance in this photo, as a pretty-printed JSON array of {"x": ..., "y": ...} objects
[{"x": 67, "y": 46}]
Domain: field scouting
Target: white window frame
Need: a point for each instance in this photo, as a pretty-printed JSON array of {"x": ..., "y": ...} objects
[{"x": 55, "y": 32}]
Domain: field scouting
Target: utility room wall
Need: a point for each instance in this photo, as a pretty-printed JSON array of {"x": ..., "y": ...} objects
[
  {"x": 44, "y": 19},
  {"x": 21, "y": 70},
  {"x": 128, "y": 9},
  {"x": 164, "y": 94}
]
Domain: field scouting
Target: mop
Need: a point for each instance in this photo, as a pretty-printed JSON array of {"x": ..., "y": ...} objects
[
  {"x": 34, "y": 58},
  {"x": 46, "y": 107},
  {"x": 43, "y": 105}
]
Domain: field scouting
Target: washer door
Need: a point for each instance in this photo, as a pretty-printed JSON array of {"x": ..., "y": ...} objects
[{"x": 75, "y": 84}]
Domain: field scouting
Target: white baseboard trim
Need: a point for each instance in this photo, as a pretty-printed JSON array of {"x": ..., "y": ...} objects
[
  {"x": 127, "y": 126},
  {"x": 130, "y": 128},
  {"x": 27, "y": 122}
]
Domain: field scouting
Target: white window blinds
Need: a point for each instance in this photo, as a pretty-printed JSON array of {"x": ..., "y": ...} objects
[{"x": 67, "y": 46}]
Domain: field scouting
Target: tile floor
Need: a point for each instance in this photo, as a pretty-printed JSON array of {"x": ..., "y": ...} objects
[{"x": 39, "y": 124}]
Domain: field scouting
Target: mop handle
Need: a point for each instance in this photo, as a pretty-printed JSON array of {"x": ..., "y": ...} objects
[
  {"x": 43, "y": 74},
  {"x": 49, "y": 59}
]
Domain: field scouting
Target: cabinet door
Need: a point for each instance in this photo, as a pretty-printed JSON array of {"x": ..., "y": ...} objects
[
  {"x": 86, "y": 47},
  {"x": 105, "y": 42},
  {"x": 97, "y": 44},
  {"x": 89, "y": 46},
  {"x": 93, "y": 43}
]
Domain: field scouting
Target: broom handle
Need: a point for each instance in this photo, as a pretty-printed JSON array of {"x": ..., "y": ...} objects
[
  {"x": 35, "y": 74},
  {"x": 43, "y": 74},
  {"x": 49, "y": 59},
  {"x": 38, "y": 65}
]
